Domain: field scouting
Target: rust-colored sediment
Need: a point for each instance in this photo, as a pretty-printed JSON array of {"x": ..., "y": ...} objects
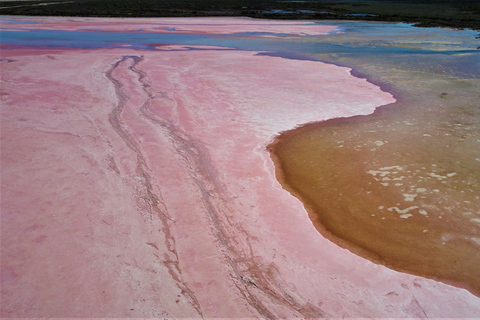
[{"x": 399, "y": 187}]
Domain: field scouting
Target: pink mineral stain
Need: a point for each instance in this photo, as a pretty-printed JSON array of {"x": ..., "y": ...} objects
[
  {"x": 40, "y": 239},
  {"x": 7, "y": 275},
  {"x": 32, "y": 227}
]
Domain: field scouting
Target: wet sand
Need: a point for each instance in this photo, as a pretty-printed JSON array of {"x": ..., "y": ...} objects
[
  {"x": 137, "y": 184},
  {"x": 400, "y": 187}
]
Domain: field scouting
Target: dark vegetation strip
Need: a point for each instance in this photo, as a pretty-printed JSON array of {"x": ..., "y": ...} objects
[{"x": 425, "y": 13}]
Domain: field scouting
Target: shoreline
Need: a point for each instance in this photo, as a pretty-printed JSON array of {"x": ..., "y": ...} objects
[
  {"x": 450, "y": 13},
  {"x": 383, "y": 113}
]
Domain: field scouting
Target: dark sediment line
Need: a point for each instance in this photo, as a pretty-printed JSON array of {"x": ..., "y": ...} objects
[{"x": 154, "y": 202}]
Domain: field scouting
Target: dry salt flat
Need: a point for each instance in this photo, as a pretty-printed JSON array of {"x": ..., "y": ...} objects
[{"x": 137, "y": 183}]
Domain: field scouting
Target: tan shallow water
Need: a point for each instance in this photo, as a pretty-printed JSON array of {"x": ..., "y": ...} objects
[{"x": 399, "y": 187}]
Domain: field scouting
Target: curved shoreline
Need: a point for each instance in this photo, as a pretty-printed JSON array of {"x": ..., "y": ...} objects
[{"x": 315, "y": 213}]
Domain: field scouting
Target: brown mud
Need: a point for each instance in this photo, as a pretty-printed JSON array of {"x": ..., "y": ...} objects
[{"x": 400, "y": 187}]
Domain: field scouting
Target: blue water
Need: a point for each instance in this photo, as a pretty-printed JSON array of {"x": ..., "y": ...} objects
[
  {"x": 352, "y": 38},
  {"x": 93, "y": 40},
  {"x": 242, "y": 41}
]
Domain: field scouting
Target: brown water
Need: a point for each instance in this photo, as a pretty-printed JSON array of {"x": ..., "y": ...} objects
[{"x": 400, "y": 187}]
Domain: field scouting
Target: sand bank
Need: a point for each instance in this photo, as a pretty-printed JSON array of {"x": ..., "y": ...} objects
[{"x": 138, "y": 184}]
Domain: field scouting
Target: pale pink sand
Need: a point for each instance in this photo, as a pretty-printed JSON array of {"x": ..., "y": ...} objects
[
  {"x": 148, "y": 192},
  {"x": 210, "y": 25}
]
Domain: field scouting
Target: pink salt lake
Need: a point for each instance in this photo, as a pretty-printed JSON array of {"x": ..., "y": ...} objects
[{"x": 140, "y": 186}]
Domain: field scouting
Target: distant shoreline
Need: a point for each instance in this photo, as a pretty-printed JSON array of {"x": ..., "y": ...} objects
[{"x": 464, "y": 14}]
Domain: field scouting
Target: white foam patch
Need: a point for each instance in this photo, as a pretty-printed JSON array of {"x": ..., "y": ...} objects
[
  {"x": 409, "y": 197},
  {"x": 392, "y": 168},
  {"x": 381, "y": 173},
  {"x": 475, "y": 240},
  {"x": 439, "y": 177},
  {"x": 402, "y": 211}
]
